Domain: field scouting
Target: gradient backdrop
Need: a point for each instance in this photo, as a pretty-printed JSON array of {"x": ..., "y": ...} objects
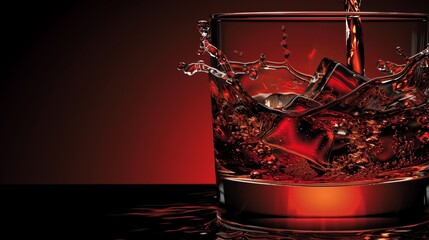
[{"x": 89, "y": 91}]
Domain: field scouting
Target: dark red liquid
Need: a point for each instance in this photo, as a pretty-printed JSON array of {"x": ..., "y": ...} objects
[
  {"x": 337, "y": 126},
  {"x": 354, "y": 34},
  {"x": 373, "y": 132}
]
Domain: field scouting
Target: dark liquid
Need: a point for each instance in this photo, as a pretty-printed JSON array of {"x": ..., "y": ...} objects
[
  {"x": 336, "y": 126},
  {"x": 354, "y": 35}
]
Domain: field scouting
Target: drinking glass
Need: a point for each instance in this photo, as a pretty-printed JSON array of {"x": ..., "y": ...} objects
[{"x": 299, "y": 133}]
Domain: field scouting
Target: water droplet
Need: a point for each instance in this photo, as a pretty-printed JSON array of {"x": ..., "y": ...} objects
[
  {"x": 253, "y": 74},
  {"x": 203, "y": 27},
  {"x": 200, "y": 51},
  {"x": 381, "y": 65},
  {"x": 262, "y": 57},
  {"x": 400, "y": 51},
  {"x": 287, "y": 53},
  {"x": 182, "y": 66},
  {"x": 239, "y": 53},
  {"x": 284, "y": 36}
]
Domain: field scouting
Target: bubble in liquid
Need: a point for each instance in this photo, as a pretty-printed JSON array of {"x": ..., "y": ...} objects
[
  {"x": 255, "y": 175},
  {"x": 423, "y": 120},
  {"x": 424, "y": 138}
]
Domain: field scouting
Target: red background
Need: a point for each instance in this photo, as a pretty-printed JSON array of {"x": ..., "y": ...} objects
[{"x": 90, "y": 92}]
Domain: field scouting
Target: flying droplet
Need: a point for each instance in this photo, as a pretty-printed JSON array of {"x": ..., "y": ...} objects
[
  {"x": 253, "y": 74},
  {"x": 203, "y": 27},
  {"x": 381, "y": 65},
  {"x": 287, "y": 53},
  {"x": 182, "y": 66},
  {"x": 400, "y": 51}
]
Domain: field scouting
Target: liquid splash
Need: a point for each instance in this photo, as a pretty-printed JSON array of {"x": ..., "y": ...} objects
[
  {"x": 232, "y": 70},
  {"x": 354, "y": 37},
  {"x": 333, "y": 126}
]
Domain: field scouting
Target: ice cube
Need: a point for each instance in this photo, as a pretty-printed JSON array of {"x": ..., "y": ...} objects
[
  {"x": 331, "y": 81},
  {"x": 399, "y": 92},
  {"x": 290, "y": 102},
  {"x": 279, "y": 100},
  {"x": 302, "y": 137},
  {"x": 301, "y": 103}
]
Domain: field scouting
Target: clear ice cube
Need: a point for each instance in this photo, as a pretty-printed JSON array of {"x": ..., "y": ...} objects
[
  {"x": 290, "y": 102},
  {"x": 331, "y": 81},
  {"x": 302, "y": 137}
]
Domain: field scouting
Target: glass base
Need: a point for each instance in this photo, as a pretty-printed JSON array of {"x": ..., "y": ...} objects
[
  {"x": 243, "y": 196},
  {"x": 276, "y": 225}
]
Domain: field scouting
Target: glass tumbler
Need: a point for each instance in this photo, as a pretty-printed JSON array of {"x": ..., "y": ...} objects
[{"x": 300, "y": 132}]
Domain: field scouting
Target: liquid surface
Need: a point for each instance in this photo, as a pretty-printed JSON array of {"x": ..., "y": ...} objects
[{"x": 273, "y": 122}]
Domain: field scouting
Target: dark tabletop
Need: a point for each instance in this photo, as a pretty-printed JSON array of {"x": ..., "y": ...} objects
[{"x": 140, "y": 212}]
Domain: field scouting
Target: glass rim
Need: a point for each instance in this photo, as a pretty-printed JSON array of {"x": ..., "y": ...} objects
[
  {"x": 333, "y": 184},
  {"x": 319, "y": 15}
]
